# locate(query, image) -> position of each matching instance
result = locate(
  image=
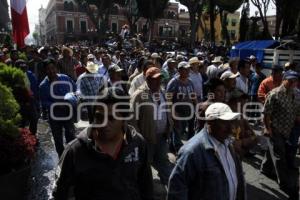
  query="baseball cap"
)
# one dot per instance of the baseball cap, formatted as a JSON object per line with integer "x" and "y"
{"x": 290, "y": 74}
{"x": 155, "y": 55}
{"x": 184, "y": 65}
{"x": 153, "y": 72}
{"x": 115, "y": 68}
{"x": 220, "y": 111}
{"x": 171, "y": 60}
{"x": 228, "y": 74}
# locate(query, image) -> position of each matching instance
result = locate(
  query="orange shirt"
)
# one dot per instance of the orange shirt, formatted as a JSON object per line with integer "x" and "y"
{"x": 265, "y": 87}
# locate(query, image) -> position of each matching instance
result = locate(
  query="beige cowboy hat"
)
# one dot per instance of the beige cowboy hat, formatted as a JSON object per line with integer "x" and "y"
{"x": 218, "y": 59}
{"x": 64, "y": 48}
{"x": 194, "y": 60}
{"x": 92, "y": 67}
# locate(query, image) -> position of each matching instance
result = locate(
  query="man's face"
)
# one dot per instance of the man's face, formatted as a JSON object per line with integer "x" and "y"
{"x": 277, "y": 75}
{"x": 184, "y": 73}
{"x": 231, "y": 83}
{"x": 66, "y": 53}
{"x": 245, "y": 71}
{"x": 195, "y": 67}
{"x": 220, "y": 93}
{"x": 116, "y": 76}
{"x": 112, "y": 128}
{"x": 154, "y": 84}
{"x": 122, "y": 57}
{"x": 222, "y": 129}
{"x": 106, "y": 60}
{"x": 14, "y": 55}
{"x": 51, "y": 70}
{"x": 172, "y": 65}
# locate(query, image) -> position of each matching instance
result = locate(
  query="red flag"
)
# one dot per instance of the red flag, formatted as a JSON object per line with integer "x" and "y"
{"x": 19, "y": 21}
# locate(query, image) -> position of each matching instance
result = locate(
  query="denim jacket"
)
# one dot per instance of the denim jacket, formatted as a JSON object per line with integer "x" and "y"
{"x": 199, "y": 175}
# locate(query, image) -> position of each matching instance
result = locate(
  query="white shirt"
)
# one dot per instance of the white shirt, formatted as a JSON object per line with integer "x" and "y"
{"x": 212, "y": 71}
{"x": 242, "y": 83}
{"x": 136, "y": 83}
{"x": 196, "y": 79}
{"x": 227, "y": 163}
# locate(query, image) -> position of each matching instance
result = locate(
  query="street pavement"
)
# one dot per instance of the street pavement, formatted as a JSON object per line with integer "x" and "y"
{"x": 259, "y": 187}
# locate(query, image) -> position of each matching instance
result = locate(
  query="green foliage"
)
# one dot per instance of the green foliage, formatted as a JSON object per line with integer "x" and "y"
{"x": 152, "y": 9}
{"x": 11, "y": 76}
{"x": 229, "y": 5}
{"x": 35, "y": 35}
{"x": 104, "y": 8}
{"x": 9, "y": 109}
{"x": 8, "y": 105}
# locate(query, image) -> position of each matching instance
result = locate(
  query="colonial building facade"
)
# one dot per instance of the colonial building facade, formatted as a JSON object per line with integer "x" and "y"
{"x": 66, "y": 21}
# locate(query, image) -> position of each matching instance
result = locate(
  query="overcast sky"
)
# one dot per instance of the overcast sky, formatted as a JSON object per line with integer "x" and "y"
{"x": 34, "y": 5}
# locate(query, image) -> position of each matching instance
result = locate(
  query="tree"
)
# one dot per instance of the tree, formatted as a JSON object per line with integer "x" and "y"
{"x": 226, "y": 6}
{"x": 35, "y": 36}
{"x": 151, "y": 10}
{"x": 263, "y": 6}
{"x": 254, "y": 33}
{"x": 195, "y": 8}
{"x": 244, "y": 22}
{"x": 287, "y": 12}
{"x": 212, "y": 16}
{"x": 99, "y": 10}
{"x": 132, "y": 13}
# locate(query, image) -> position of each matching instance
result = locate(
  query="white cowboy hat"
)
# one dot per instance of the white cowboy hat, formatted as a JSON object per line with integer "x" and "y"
{"x": 92, "y": 67}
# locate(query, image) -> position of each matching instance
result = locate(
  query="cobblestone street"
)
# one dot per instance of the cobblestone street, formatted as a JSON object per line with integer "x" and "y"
{"x": 259, "y": 187}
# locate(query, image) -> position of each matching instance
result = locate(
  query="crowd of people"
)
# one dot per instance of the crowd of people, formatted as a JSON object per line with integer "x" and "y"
{"x": 200, "y": 107}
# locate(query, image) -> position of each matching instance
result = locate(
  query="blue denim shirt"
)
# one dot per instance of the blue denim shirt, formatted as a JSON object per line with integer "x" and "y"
{"x": 199, "y": 175}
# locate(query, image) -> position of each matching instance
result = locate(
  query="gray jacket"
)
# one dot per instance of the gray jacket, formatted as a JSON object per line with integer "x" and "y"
{"x": 199, "y": 175}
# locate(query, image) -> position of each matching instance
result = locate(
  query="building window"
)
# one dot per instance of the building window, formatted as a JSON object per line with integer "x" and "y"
{"x": 115, "y": 10}
{"x": 165, "y": 31}
{"x": 114, "y": 27}
{"x": 68, "y": 6}
{"x": 83, "y": 26}
{"x": 233, "y": 22}
{"x": 70, "y": 26}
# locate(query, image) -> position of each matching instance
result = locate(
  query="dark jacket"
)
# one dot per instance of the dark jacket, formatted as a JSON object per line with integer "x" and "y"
{"x": 91, "y": 174}
{"x": 199, "y": 175}
{"x": 144, "y": 123}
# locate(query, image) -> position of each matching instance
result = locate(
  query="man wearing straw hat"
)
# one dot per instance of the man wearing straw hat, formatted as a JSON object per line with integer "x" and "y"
{"x": 88, "y": 85}
{"x": 67, "y": 63}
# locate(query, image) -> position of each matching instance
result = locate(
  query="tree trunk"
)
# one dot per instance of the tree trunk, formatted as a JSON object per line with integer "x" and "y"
{"x": 151, "y": 27}
{"x": 212, "y": 21}
{"x": 193, "y": 29}
{"x": 278, "y": 24}
{"x": 225, "y": 34}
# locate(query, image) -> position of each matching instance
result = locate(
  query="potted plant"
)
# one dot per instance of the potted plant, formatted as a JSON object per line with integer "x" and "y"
{"x": 17, "y": 146}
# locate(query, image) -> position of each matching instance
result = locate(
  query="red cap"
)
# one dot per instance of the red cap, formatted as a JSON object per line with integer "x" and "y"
{"x": 153, "y": 72}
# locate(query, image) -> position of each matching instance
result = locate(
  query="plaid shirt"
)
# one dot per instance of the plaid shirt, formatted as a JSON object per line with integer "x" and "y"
{"x": 89, "y": 85}
{"x": 282, "y": 107}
